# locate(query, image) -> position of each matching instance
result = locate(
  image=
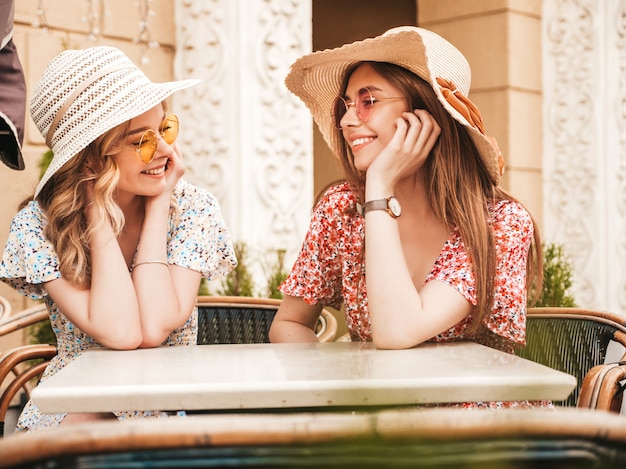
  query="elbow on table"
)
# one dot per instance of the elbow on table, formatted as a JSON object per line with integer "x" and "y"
{"x": 279, "y": 331}
{"x": 393, "y": 343}
{"x": 290, "y": 331}
{"x": 154, "y": 338}
{"x": 123, "y": 342}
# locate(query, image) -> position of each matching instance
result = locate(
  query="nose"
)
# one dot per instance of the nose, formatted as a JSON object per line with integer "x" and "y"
{"x": 163, "y": 148}
{"x": 350, "y": 117}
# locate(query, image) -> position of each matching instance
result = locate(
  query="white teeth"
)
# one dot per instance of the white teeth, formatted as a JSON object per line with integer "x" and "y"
{"x": 360, "y": 141}
{"x": 154, "y": 172}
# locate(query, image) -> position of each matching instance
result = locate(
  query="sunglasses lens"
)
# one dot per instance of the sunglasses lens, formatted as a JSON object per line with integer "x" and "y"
{"x": 364, "y": 104}
{"x": 169, "y": 131}
{"x": 339, "y": 110}
{"x": 147, "y": 146}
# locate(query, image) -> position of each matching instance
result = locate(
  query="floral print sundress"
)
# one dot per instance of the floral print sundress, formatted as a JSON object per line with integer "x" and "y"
{"x": 330, "y": 271}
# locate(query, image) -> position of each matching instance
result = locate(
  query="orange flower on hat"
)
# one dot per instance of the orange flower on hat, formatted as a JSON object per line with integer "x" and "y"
{"x": 469, "y": 111}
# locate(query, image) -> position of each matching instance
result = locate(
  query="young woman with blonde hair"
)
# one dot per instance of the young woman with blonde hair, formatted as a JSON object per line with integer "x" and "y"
{"x": 114, "y": 241}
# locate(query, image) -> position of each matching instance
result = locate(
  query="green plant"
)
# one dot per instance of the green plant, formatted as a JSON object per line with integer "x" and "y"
{"x": 42, "y": 333}
{"x": 46, "y": 158}
{"x": 239, "y": 281}
{"x": 276, "y": 274}
{"x": 204, "y": 288}
{"x": 557, "y": 277}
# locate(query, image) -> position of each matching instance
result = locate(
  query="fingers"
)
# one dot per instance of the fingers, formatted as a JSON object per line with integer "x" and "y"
{"x": 175, "y": 166}
{"x": 422, "y": 132}
{"x": 178, "y": 155}
{"x": 415, "y": 136}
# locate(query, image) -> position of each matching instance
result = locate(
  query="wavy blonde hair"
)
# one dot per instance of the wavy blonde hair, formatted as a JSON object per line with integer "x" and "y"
{"x": 65, "y": 196}
{"x": 458, "y": 187}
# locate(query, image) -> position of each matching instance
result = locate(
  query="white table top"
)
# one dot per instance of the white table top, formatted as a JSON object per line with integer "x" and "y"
{"x": 270, "y": 376}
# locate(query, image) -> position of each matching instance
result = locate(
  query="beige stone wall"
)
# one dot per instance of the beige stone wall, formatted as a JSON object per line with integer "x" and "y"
{"x": 502, "y": 42}
{"x": 37, "y": 47}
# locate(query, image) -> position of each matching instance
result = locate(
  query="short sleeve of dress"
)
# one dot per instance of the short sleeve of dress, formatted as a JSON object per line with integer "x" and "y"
{"x": 29, "y": 258}
{"x": 316, "y": 276}
{"x": 199, "y": 239}
{"x": 513, "y": 233}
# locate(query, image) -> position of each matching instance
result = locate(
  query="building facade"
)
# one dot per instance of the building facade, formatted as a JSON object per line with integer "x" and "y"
{"x": 547, "y": 75}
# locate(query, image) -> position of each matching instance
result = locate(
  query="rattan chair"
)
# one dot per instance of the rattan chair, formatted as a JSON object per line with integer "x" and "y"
{"x": 398, "y": 439}
{"x": 247, "y": 320}
{"x": 603, "y": 387}
{"x": 27, "y": 317}
{"x": 20, "y": 366}
{"x": 573, "y": 340}
{"x": 5, "y": 308}
{"x": 25, "y": 363}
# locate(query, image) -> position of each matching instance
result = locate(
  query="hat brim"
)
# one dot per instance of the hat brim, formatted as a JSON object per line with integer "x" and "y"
{"x": 141, "y": 100}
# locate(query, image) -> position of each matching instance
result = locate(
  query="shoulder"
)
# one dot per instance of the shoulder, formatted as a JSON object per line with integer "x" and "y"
{"x": 338, "y": 198}
{"x": 512, "y": 225}
{"x": 190, "y": 195}
{"x": 510, "y": 214}
{"x": 29, "y": 216}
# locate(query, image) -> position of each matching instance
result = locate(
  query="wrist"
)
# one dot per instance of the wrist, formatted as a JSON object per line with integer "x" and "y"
{"x": 391, "y": 205}
{"x": 377, "y": 189}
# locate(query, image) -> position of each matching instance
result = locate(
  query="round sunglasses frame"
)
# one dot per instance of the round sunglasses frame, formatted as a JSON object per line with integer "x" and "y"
{"x": 147, "y": 146}
{"x": 363, "y": 105}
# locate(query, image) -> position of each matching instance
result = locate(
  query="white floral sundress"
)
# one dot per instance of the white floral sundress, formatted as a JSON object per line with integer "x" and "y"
{"x": 200, "y": 241}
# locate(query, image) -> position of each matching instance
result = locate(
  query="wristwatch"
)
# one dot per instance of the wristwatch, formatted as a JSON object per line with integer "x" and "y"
{"x": 390, "y": 205}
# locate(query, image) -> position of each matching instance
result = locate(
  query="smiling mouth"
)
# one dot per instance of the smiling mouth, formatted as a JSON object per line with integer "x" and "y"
{"x": 362, "y": 141}
{"x": 155, "y": 172}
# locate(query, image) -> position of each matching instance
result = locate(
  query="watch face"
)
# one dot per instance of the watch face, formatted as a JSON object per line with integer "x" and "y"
{"x": 394, "y": 206}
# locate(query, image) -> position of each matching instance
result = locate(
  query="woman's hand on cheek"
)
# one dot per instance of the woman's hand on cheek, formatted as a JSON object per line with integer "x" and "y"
{"x": 175, "y": 166}
{"x": 416, "y": 134}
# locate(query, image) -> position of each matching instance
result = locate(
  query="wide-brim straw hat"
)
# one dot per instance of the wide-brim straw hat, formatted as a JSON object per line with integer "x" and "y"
{"x": 317, "y": 79}
{"x": 84, "y": 93}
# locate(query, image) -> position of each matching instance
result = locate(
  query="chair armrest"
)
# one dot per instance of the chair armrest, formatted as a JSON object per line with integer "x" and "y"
{"x": 327, "y": 326}
{"x": 602, "y": 387}
{"x": 5, "y": 309}
{"x": 10, "y": 362}
{"x": 22, "y": 319}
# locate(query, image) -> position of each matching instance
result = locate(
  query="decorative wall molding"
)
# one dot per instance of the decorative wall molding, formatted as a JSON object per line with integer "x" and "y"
{"x": 584, "y": 133}
{"x": 619, "y": 111}
{"x": 246, "y": 138}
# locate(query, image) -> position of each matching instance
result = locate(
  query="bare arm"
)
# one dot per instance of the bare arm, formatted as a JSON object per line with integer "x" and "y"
{"x": 402, "y": 316}
{"x": 109, "y": 311}
{"x": 166, "y": 294}
{"x": 123, "y": 310}
{"x": 295, "y": 321}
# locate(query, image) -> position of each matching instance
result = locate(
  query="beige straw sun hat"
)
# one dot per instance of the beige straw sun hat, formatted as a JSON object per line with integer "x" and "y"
{"x": 317, "y": 78}
{"x": 84, "y": 93}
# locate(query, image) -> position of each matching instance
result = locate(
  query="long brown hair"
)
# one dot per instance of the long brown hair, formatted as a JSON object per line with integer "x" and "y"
{"x": 458, "y": 186}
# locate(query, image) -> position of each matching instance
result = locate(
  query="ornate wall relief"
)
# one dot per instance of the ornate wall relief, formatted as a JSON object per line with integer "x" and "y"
{"x": 584, "y": 168}
{"x": 248, "y": 140}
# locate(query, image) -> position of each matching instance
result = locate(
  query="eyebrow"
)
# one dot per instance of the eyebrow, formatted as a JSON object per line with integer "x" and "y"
{"x": 144, "y": 128}
{"x": 370, "y": 88}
